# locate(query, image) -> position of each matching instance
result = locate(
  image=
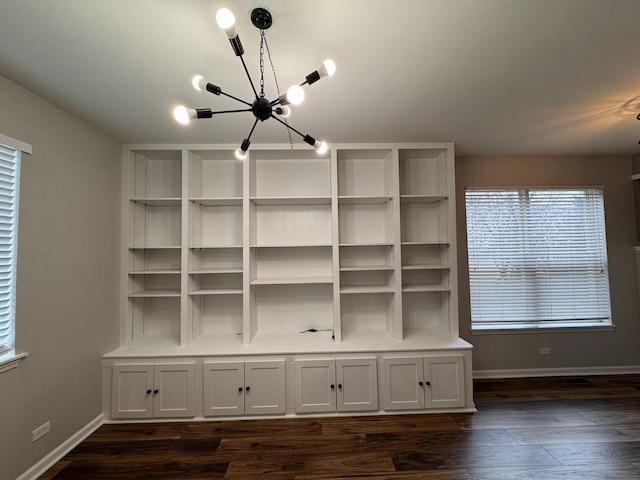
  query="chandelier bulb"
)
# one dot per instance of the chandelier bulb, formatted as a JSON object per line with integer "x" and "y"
{"x": 241, "y": 154}
{"x": 183, "y": 114}
{"x": 295, "y": 95}
{"x": 328, "y": 68}
{"x": 284, "y": 111}
{"x": 321, "y": 147}
{"x": 227, "y": 21}
{"x": 199, "y": 83}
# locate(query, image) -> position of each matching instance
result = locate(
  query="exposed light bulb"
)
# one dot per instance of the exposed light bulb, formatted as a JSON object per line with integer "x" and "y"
{"x": 183, "y": 114}
{"x": 321, "y": 147}
{"x": 199, "y": 83}
{"x": 295, "y": 95}
{"x": 283, "y": 111}
{"x": 241, "y": 154}
{"x": 328, "y": 68}
{"x": 227, "y": 21}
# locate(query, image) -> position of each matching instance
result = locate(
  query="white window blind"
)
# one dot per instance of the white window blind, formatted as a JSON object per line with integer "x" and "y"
{"x": 9, "y": 182}
{"x": 537, "y": 257}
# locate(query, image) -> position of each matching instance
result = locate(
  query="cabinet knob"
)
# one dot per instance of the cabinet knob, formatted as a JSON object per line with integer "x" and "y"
{"x": 339, "y": 386}
{"x": 420, "y": 383}
{"x": 248, "y": 388}
{"x": 239, "y": 389}
{"x": 428, "y": 384}
{"x": 155, "y": 391}
{"x": 148, "y": 391}
{"x": 333, "y": 386}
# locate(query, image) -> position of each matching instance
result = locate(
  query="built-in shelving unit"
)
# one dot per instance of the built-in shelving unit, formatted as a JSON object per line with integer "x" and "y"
{"x": 154, "y": 242}
{"x": 291, "y": 253}
{"x": 359, "y": 241}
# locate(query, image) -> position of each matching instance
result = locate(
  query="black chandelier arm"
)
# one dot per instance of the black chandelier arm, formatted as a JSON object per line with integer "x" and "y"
{"x": 206, "y": 112}
{"x": 216, "y": 90}
{"x": 236, "y": 99}
{"x": 252, "y": 129}
{"x": 275, "y": 102}
{"x": 255, "y": 92}
{"x": 289, "y": 126}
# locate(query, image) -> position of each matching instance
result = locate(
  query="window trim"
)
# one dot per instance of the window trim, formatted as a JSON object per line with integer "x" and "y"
{"x": 10, "y": 359}
{"x": 534, "y": 326}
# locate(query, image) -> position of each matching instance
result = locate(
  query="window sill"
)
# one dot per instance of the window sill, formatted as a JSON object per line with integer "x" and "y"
{"x": 560, "y": 328}
{"x": 10, "y": 361}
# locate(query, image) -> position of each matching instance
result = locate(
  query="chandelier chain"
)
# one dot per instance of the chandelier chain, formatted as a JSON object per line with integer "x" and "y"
{"x": 262, "y": 39}
{"x": 275, "y": 79}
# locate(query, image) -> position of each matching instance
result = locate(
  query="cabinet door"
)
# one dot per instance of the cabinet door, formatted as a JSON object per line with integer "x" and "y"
{"x": 315, "y": 386}
{"x": 132, "y": 391}
{"x": 264, "y": 391}
{"x": 445, "y": 377}
{"x": 357, "y": 385}
{"x": 401, "y": 389}
{"x": 223, "y": 389}
{"x": 174, "y": 390}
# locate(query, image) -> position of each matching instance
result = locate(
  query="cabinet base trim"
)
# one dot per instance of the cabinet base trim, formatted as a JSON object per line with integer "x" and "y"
{"x": 430, "y": 411}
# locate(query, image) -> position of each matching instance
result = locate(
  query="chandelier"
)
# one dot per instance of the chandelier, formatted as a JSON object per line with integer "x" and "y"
{"x": 261, "y": 108}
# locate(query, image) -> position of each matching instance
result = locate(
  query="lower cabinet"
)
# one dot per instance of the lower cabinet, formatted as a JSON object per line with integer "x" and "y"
{"x": 336, "y": 385}
{"x": 153, "y": 391}
{"x": 414, "y": 383}
{"x": 244, "y": 388}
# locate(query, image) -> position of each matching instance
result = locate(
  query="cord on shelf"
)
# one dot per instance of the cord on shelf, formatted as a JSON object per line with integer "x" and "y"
{"x": 314, "y": 330}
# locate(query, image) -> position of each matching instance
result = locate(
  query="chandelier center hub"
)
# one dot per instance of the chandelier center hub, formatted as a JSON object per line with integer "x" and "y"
{"x": 261, "y": 108}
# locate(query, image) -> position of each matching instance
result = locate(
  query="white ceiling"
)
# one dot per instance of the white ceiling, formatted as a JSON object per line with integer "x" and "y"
{"x": 498, "y": 77}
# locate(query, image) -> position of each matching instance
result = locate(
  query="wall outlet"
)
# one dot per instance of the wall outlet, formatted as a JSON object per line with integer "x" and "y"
{"x": 545, "y": 350}
{"x": 41, "y": 431}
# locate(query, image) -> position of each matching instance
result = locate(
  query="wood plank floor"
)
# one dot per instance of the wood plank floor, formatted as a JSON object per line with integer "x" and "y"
{"x": 537, "y": 428}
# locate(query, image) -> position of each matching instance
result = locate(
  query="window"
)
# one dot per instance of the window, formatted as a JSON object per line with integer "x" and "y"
{"x": 10, "y": 154}
{"x": 537, "y": 258}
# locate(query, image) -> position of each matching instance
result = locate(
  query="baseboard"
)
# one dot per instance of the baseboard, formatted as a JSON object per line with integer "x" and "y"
{"x": 65, "y": 447}
{"x": 556, "y": 372}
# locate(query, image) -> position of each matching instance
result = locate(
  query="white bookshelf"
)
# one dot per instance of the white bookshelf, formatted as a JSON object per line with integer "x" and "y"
{"x": 153, "y": 244}
{"x": 243, "y": 273}
{"x": 359, "y": 242}
{"x": 427, "y": 220}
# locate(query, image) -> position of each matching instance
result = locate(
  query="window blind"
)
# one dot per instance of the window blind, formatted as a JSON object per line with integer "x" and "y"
{"x": 537, "y": 256}
{"x": 9, "y": 172}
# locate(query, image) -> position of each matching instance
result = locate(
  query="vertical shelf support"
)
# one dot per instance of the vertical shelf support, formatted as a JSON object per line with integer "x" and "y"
{"x": 396, "y": 322}
{"x": 186, "y": 320}
{"x": 248, "y": 315}
{"x": 335, "y": 242}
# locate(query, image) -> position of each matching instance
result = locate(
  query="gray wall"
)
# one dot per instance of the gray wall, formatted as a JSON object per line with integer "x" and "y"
{"x": 67, "y": 295}
{"x": 67, "y": 312}
{"x": 620, "y": 347}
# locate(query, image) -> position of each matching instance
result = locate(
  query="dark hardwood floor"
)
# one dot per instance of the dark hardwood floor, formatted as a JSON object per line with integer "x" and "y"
{"x": 536, "y": 428}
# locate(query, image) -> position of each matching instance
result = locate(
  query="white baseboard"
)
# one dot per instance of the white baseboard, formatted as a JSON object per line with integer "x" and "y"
{"x": 65, "y": 447}
{"x": 556, "y": 372}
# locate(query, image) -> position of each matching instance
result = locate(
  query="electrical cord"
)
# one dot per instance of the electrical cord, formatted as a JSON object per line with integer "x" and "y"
{"x": 314, "y": 330}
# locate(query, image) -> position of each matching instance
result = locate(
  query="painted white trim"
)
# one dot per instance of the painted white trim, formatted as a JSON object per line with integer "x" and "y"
{"x": 10, "y": 361}
{"x": 61, "y": 450}
{"x": 17, "y": 144}
{"x": 556, "y": 372}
